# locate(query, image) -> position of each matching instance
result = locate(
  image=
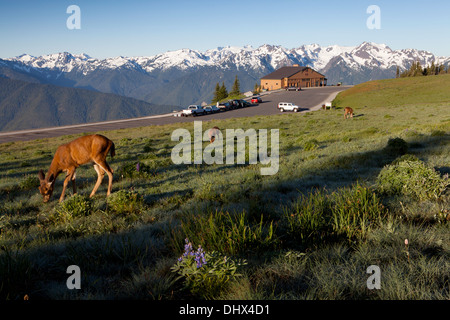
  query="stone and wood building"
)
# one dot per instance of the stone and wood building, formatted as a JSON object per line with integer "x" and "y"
{"x": 295, "y": 76}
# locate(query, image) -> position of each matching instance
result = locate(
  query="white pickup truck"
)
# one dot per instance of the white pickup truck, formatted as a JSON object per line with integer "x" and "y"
{"x": 193, "y": 110}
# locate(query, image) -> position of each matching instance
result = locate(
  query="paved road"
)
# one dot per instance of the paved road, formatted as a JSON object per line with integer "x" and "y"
{"x": 308, "y": 99}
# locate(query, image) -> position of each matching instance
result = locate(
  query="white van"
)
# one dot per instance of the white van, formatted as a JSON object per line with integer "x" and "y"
{"x": 287, "y": 106}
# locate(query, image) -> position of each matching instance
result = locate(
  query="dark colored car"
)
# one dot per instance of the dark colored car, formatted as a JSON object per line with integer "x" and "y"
{"x": 224, "y": 106}
{"x": 239, "y": 103}
{"x": 245, "y": 103}
{"x": 234, "y": 104}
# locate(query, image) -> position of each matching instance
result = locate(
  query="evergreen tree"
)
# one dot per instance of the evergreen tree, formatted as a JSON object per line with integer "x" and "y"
{"x": 418, "y": 70}
{"x": 223, "y": 93}
{"x": 414, "y": 71}
{"x": 257, "y": 88}
{"x": 216, "y": 96}
{"x": 236, "y": 88}
{"x": 432, "y": 70}
{"x": 397, "y": 75}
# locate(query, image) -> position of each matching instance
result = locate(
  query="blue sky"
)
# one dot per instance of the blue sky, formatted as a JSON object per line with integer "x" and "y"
{"x": 143, "y": 28}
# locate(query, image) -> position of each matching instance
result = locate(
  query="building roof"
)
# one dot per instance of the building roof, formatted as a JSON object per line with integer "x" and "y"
{"x": 284, "y": 72}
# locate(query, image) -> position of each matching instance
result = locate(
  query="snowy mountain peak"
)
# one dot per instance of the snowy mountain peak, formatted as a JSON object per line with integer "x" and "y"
{"x": 266, "y": 57}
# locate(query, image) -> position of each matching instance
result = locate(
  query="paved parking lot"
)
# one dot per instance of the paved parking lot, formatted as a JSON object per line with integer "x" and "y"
{"x": 308, "y": 99}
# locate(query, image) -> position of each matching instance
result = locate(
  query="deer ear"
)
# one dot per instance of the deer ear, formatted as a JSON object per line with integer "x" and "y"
{"x": 41, "y": 175}
{"x": 51, "y": 178}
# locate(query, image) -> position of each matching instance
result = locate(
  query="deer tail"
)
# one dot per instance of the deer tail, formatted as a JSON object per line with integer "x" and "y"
{"x": 112, "y": 150}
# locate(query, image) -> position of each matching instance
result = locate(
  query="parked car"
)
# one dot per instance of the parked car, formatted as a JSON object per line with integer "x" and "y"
{"x": 242, "y": 103}
{"x": 224, "y": 106}
{"x": 293, "y": 89}
{"x": 256, "y": 99}
{"x": 288, "y": 106}
{"x": 193, "y": 110}
{"x": 245, "y": 103}
{"x": 234, "y": 104}
{"x": 214, "y": 109}
{"x": 207, "y": 109}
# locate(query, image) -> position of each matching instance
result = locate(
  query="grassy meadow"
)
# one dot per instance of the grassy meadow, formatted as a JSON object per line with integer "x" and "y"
{"x": 347, "y": 195}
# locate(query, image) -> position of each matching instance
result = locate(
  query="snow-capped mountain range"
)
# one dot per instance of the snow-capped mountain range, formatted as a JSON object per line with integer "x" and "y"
{"x": 188, "y": 76}
{"x": 314, "y": 56}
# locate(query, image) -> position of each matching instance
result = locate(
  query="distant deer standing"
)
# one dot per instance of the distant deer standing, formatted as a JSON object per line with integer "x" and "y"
{"x": 348, "y": 112}
{"x": 213, "y": 133}
{"x": 68, "y": 157}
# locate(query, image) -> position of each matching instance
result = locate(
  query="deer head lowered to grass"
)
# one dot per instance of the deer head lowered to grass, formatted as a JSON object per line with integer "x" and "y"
{"x": 348, "y": 112}
{"x": 68, "y": 157}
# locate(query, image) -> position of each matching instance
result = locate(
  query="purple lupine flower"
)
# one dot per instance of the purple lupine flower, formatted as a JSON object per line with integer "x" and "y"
{"x": 187, "y": 250}
{"x": 138, "y": 167}
{"x": 200, "y": 257}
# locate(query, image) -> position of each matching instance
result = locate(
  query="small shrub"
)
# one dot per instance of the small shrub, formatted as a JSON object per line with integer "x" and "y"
{"x": 412, "y": 178}
{"x": 75, "y": 206}
{"x": 396, "y": 147}
{"x": 125, "y": 202}
{"x": 205, "y": 274}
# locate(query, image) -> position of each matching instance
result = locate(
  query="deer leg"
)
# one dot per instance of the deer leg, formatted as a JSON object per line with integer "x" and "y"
{"x": 74, "y": 186}
{"x": 69, "y": 176}
{"x": 103, "y": 165}
{"x": 100, "y": 174}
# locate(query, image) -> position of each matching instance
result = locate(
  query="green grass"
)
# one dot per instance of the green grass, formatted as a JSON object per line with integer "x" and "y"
{"x": 401, "y": 92}
{"x": 308, "y": 232}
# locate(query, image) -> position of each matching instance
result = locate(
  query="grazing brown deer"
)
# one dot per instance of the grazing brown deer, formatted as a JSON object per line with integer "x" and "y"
{"x": 348, "y": 112}
{"x": 68, "y": 157}
{"x": 213, "y": 133}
